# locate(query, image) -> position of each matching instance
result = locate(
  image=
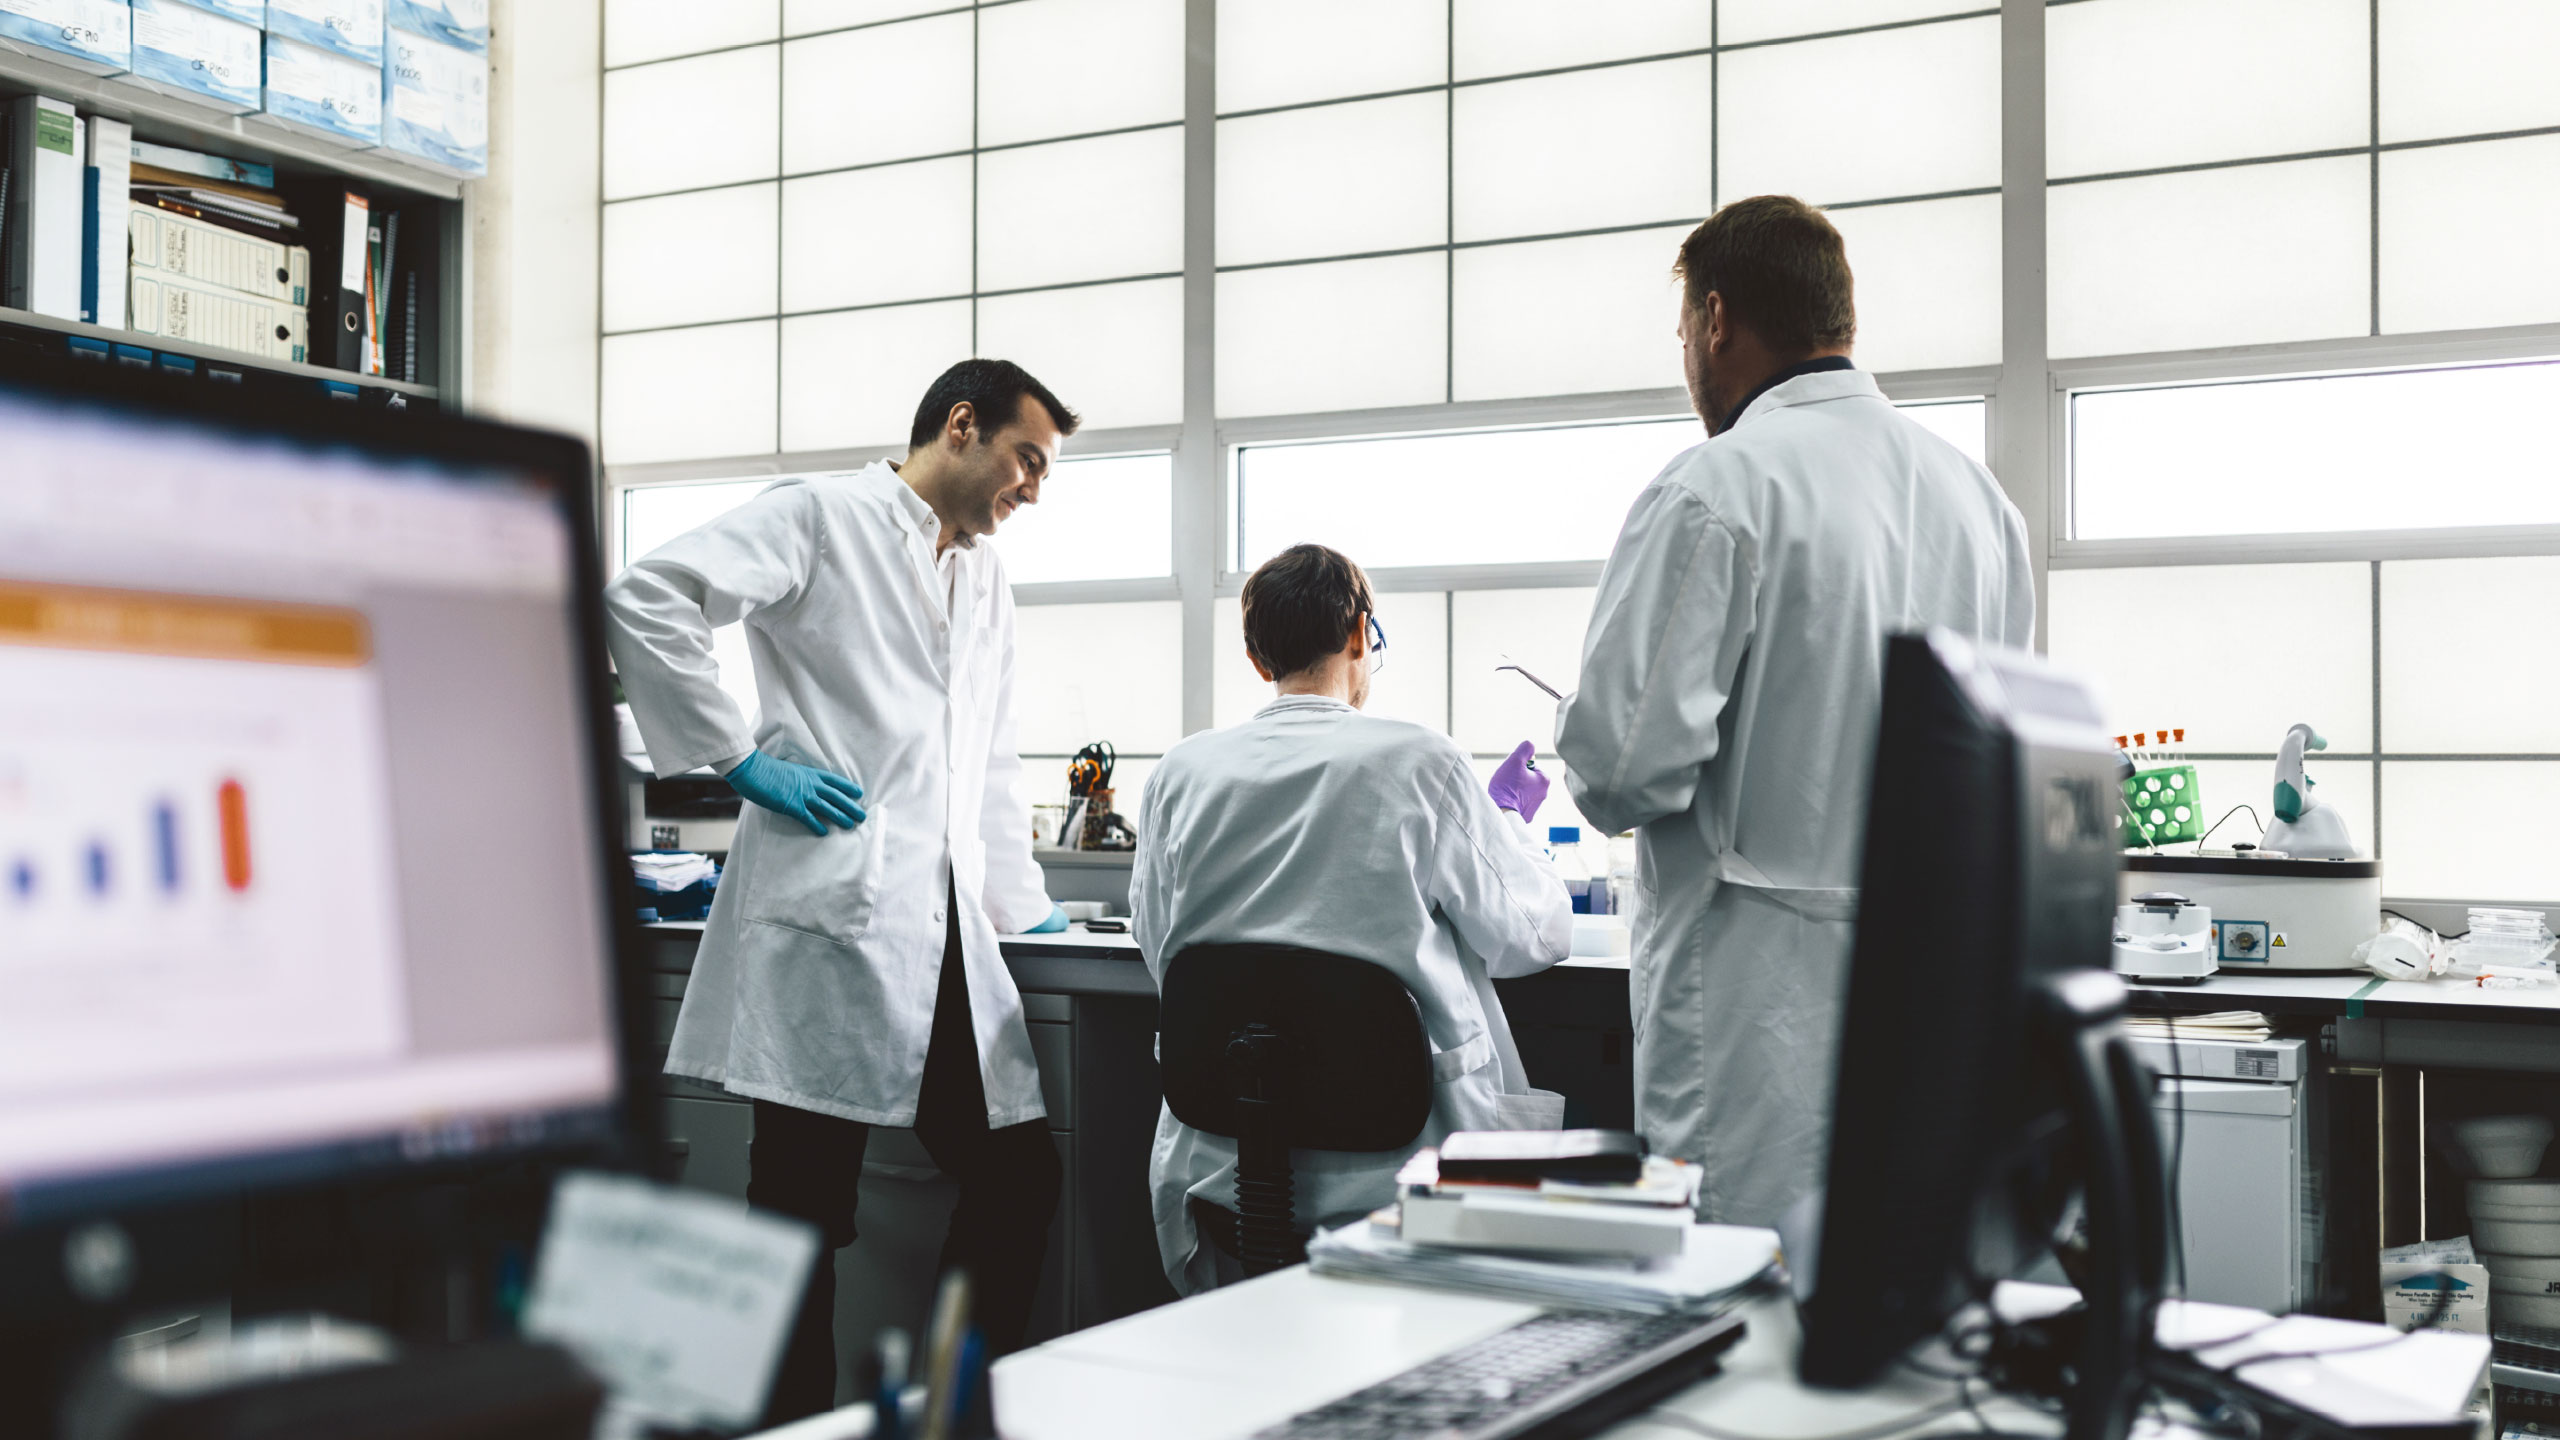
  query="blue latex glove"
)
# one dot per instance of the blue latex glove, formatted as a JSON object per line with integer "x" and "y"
{"x": 1056, "y": 922}
{"x": 816, "y": 798}
{"x": 1519, "y": 786}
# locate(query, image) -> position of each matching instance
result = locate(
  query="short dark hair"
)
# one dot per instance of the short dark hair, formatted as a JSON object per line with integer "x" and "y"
{"x": 994, "y": 390}
{"x": 1302, "y": 605}
{"x": 1782, "y": 269}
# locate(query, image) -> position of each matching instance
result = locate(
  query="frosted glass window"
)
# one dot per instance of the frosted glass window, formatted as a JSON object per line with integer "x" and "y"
{"x": 2407, "y": 449}
{"x": 652, "y": 515}
{"x": 2251, "y": 255}
{"x": 1556, "y": 317}
{"x": 1493, "y": 497}
{"x": 688, "y": 394}
{"x": 1965, "y": 424}
{"x": 2469, "y": 233}
{"x": 638, "y": 30}
{"x": 855, "y": 377}
{"x": 681, "y": 259}
{"x": 893, "y": 92}
{"x": 867, "y": 237}
{"x": 1334, "y": 180}
{"x": 1863, "y": 117}
{"x": 1928, "y": 282}
{"x": 2463, "y": 654}
{"x": 2470, "y": 831}
{"x": 1540, "y": 629}
{"x": 2468, "y": 67}
{"x": 686, "y": 124}
{"x": 1285, "y": 52}
{"x": 1622, "y": 146}
{"x": 1113, "y": 353}
{"x": 2225, "y": 785}
{"x": 1740, "y": 22}
{"x": 802, "y": 17}
{"x": 1413, "y": 685}
{"x": 2134, "y": 84}
{"x": 2235, "y": 655}
{"x": 1347, "y": 336}
{"x": 1080, "y": 210}
{"x": 1507, "y": 37}
{"x": 1098, "y": 672}
{"x": 1109, "y": 518}
{"x": 1072, "y": 67}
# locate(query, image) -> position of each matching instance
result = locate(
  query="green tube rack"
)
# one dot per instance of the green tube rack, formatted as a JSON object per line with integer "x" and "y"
{"x": 2162, "y": 807}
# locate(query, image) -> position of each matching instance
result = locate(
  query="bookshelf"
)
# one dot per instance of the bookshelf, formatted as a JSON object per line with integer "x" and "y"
{"x": 170, "y": 120}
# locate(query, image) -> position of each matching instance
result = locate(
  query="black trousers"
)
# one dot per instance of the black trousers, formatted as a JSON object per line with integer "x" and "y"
{"x": 810, "y": 1166}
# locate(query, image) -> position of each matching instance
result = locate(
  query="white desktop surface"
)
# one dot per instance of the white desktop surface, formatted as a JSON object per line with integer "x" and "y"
{"x": 1236, "y": 1360}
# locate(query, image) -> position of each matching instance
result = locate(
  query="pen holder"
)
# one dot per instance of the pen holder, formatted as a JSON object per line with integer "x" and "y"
{"x": 2162, "y": 807}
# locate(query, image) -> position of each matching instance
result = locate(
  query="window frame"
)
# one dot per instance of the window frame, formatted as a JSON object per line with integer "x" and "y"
{"x": 2027, "y": 393}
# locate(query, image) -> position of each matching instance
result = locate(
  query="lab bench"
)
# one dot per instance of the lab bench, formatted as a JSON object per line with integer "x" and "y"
{"x": 1091, "y": 1007}
{"x": 2397, "y": 1064}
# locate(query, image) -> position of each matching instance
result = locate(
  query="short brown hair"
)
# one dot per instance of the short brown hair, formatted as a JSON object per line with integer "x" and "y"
{"x": 1782, "y": 269}
{"x": 1302, "y": 605}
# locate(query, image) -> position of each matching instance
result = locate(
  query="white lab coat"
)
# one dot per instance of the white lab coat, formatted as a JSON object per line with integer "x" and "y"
{"x": 1315, "y": 825}
{"x": 815, "y": 983}
{"x": 1728, "y": 704}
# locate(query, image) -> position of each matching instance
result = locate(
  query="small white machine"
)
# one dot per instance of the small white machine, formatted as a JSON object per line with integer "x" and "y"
{"x": 2270, "y": 912}
{"x": 2164, "y": 938}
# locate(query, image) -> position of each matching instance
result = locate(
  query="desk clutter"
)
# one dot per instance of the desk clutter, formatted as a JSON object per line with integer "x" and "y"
{"x": 1566, "y": 1217}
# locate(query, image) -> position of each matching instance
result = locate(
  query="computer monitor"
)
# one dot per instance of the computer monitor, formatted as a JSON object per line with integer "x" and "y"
{"x": 308, "y": 830}
{"x": 1979, "y": 1081}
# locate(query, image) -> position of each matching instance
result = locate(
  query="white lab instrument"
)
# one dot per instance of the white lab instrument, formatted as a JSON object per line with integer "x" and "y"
{"x": 1727, "y": 704}
{"x": 2502, "y": 944}
{"x": 2270, "y": 912}
{"x": 2164, "y": 938}
{"x": 2244, "y": 1123}
{"x": 2306, "y": 827}
{"x": 878, "y": 660}
{"x": 1315, "y": 825}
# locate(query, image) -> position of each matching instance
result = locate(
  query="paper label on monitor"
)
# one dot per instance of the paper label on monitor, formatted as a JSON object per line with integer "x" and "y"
{"x": 681, "y": 1301}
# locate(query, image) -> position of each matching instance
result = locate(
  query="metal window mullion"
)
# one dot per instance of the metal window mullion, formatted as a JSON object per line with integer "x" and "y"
{"x": 2025, "y": 418}
{"x": 1196, "y": 457}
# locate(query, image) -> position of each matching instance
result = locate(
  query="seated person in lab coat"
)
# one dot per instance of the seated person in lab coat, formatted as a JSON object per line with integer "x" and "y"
{"x": 1273, "y": 831}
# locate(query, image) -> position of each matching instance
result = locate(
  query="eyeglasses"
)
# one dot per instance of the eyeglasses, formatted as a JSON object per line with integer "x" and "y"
{"x": 1377, "y": 645}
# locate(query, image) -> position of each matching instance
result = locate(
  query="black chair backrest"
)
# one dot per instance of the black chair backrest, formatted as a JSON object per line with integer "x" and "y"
{"x": 1353, "y": 1067}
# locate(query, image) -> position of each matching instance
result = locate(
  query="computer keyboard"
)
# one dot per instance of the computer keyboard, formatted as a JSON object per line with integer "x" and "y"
{"x": 1564, "y": 1374}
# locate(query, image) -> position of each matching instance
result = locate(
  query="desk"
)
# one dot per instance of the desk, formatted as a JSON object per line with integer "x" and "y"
{"x": 1232, "y": 1361}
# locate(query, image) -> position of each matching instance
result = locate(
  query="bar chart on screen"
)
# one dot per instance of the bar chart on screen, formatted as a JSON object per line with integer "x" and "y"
{"x": 194, "y": 833}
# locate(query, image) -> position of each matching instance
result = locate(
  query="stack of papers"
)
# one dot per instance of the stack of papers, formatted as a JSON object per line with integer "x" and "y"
{"x": 2245, "y": 1026}
{"x": 665, "y": 872}
{"x": 1648, "y": 1216}
{"x": 1716, "y": 1266}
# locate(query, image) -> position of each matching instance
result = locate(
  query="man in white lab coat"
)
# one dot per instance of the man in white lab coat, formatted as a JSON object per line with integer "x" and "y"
{"x": 1731, "y": 684}
{"x": 1315, "y": 825}
{"x": 849, "y": 975}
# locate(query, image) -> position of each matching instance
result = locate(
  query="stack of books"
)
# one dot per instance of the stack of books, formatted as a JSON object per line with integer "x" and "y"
{"x": 1579, "y": 1218}
{"x": 216, "y": 256}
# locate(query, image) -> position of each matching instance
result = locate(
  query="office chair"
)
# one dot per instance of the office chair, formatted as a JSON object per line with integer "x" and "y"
{"x": 1280, "y": 1048}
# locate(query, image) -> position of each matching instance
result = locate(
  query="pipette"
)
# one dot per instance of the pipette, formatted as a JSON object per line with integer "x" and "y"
{"x": 1507, "y": 664}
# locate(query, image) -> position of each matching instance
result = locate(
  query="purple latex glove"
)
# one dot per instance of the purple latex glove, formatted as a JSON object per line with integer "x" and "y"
{"x": 1519, "y": 786}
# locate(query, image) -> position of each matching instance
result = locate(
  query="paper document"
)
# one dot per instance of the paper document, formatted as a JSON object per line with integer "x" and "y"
{"x": 1719, "y": 1263}
{"x": 679, "y": 1300}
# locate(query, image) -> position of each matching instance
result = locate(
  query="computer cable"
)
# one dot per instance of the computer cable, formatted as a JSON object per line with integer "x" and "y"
{"x": 2226, "y": 816}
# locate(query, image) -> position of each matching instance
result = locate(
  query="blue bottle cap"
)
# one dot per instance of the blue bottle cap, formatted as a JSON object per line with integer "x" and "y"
{"x": 1564, "y": 834}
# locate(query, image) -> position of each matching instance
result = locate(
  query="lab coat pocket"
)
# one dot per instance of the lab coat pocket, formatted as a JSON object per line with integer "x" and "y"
{"x": 822, "y": 885}
{"x": 1536, "y": 1110}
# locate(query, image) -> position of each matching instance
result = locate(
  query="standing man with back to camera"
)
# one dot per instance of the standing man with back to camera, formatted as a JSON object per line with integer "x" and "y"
{"x": 849, "y": 975}
{"x": 1732, "y": 682}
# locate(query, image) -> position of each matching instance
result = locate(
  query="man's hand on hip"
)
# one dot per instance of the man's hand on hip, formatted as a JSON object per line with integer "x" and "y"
{"x": 816, "y": 798}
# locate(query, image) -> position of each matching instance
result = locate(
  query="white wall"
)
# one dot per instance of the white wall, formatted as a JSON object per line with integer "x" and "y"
{"x": 532, "y": 251}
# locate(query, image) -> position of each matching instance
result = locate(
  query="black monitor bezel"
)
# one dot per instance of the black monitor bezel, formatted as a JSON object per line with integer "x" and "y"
{"x": 154, "y": 1198}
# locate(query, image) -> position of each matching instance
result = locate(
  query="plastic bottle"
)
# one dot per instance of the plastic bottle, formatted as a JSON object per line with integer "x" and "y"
{"x": 1595, "y": 860}
{"x": 1564, "y": 849}
{"x": 1622, "y": 877}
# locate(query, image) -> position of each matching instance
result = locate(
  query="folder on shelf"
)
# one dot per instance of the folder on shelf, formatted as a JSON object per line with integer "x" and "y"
{"x": 339, "y": 224}
{"x": 46, "y": 192}
{"x": 104, "y": 182}
{"x": 176, "y": 164}
{"x": 179, "y": 309}
{"x": 171, "y": 245}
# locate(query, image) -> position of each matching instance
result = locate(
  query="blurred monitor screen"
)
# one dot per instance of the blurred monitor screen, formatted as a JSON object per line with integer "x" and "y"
{"x": 300, "y": 850}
